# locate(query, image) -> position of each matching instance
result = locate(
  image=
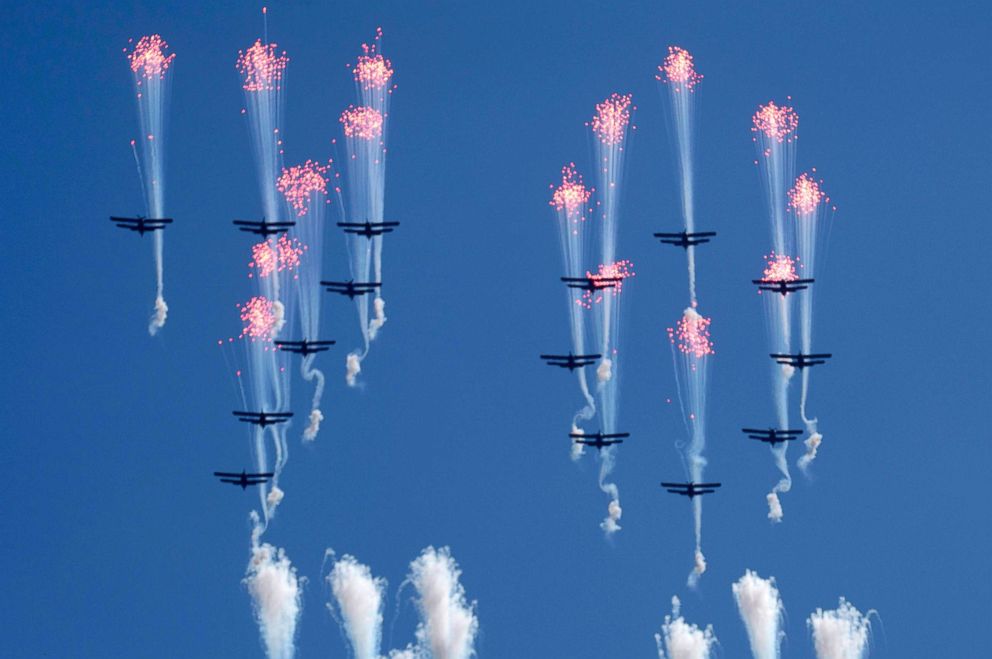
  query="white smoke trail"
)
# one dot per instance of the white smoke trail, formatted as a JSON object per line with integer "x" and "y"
{"x": 812, "y": 444}
{"x": 359, "y": 599}
{"x": 448, "y": 622}
{"x": 778, "y": 314}
{"x": 841, "y": 633}
{"x": 275, "y": 590}
{"x": 761, "y": 610}
{"x": 682, "y": 640}
{"x": 353, "y": 366}
{"x": 379, "y": 319}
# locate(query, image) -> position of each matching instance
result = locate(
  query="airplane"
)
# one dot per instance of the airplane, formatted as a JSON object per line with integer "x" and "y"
{"x": 263, "y": 418}
{"x": 685, "y": 240}
{"x": 599, "y": 439}
{"x": 141, "y": 224}
{"x": 304, "y": 347}
{"x": 690, "y": 489}
{"x": 263, "y": 228}
{"x": 243, "y": 479}
{"x": 772, "y": 436}
{"x": 351, "y": 288}
{"x": 590, "y": 283}
{"x": 368, "y": 229}
{"x": 783, "y": 286}
{"x": 800, "y": 360}
{"x": 570, "y": 361}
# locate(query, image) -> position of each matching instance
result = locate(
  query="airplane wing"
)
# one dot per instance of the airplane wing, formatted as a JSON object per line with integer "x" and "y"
{"x": 702, "y": 234}
{"x": 226, "y": 474}
{"x": 264, "y": 474}
{"x": 707, "y": 485}
{"x": 684, "y": 486}
{"x": 819, "y": 356}
{"x": 684, "y": 493}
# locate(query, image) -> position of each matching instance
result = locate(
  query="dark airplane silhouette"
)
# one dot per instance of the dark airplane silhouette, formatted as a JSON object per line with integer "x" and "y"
{"x": 243, "y": 479}
{"x": 590, "y": 283}
{"x": 689, "y": 489}
{"x": 570, "y": 361}
{"x": 141, "y": 224}
{"x": 685, "y": 240}
{"x": 368, "y": 229}
{"x": 772, "y": 436}
{"x": 263, "y": 228}
{"x": 351, "y": 288}
{"x": 263, "y": 418}
{"x": 783, "y": 286}
{"x": 304, "y": 347}
{"x": 800, "y": 360}
{"x": 599, "y": 439}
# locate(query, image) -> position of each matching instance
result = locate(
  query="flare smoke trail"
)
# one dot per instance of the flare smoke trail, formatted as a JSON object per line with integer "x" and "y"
{"x": 775, "y": 134}
{"x": 275, "y": 591}
{"x": 359, "y": 602}
{"x": 448, "y": 622}
{"x": 841, "y": 633}
{"x": 150, "y": 67}
{"x": 305, "y": 190}
{"x": 571, "y": 203}
{"x": 610, "y": 127}
{"x": 691, "y": 349}
{"x": 761, "y": 610}
{"x": 808, "y": 203}
{"x": 365, "y": 131}
{"x": 682, "y": 640}
{"x": 678, "y": 74}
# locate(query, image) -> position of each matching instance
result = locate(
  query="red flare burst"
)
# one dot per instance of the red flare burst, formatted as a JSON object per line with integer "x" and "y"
{"x": 261, "y": 68}
{"x": 678, "y": 69}
{"x": 691, "y": 335}
{"x": 362, "y": 122}
{"x": 372, "y": 70}
{"x": 612, "y": 118}
{"x": 779, "y": 267}
{"x": 778, "y": 123}
{"x": 300, "y": 183}
{"x": 260, "y": 318}
{"x": 276, "y": 255}
{"x": 148, "y": 57}
{"x": 622, "y": 269}
{"x": 806, "y": 195}
{"x": 572, "y": 194}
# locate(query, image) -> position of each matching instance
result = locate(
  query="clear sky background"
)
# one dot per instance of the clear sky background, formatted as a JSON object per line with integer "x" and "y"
{"x": 118, "y": 542}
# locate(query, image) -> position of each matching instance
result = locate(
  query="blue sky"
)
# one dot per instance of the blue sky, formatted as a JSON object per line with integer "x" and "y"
{"x": 118, "y": 542}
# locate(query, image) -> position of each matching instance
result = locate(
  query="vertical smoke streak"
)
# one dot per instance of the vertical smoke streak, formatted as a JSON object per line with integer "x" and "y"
{"x": 761, "y": 610}
{"x": 275, "y": 591}
{"x": 150, "y": 66}
{"x": 682, "y": 640}
{"x": 359, "y": 602}
{"x": 448, "y": 622}
{"x": 841, "y": 633}
{"x": 365, "y": 129}
{"x": 775, "y": 134}
{"x": 691, "y": 350}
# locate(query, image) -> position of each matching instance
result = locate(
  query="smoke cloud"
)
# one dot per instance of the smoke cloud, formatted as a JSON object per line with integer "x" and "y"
{"x": 761, "y": 610}
{"x": 157, "y": 321}
{"x": 314, "y": 426}
{"x": 812, "y": 445}
{"x": 359, "y": 599}
{"x": 841, "y": 633}
{"x": 353, "y": 366}
{"x": 275, "y": 592}
{"x": 448, "y": 622}
{"x": 681, "y": 640}
{"x": 379, "y": 308}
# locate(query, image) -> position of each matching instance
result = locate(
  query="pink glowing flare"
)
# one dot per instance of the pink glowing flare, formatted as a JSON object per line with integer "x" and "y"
{"x": 148, "y": 59}
{"x": 373, "y": 71}
{"x": 776, "y": 122}
{"x": 259, "y": 317}
{"x": 261, "y": 68}
{"x": 301, "y": 185}
{"x": 612, "y": 118}
{"x": 604, "y": 284}
{"x": 806, "y": 195}
{"x": 678, "y": 69}
{"x": 691, "y": 335}
{"x": 362, "y": 122}
{"x": 272, "y": 256}
{"x": 572, "y": 195}
{"x": 779, "y": 267}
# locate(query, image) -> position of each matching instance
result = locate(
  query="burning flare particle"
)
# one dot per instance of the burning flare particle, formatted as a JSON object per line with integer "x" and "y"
{"x": 612, "y": 118}
{"x": 261, "y": 68}
{"x": 362, "y": 122}
{"x": 776, "y": 122}
{"x": 679, "y": 70}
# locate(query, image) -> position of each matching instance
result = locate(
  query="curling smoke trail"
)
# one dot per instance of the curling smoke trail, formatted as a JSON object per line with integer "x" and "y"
{"x": 610, "y": 126}
{"x": 775, "y": 134}
{"x": 841, "y": 633}
{"x": 761, "y": 610}
{"x": 365, "y": 131}
{"x": 808, "y": 203}
{"x": 678, "y": 74}
{"x": 691, "y": 350}
{"x": 305, "y": 190}
{"x": 682, "y": 640}
{"x": 359, "y": 602}
{"x": 150, "y": 67}
{"x": 448, "y": 622}
{"x": 275, "y": 591}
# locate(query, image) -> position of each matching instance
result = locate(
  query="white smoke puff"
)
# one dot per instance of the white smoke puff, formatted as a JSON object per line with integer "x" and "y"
{"x": 812, "y": 444}
{"x": 761, "y": 610}
{"x": 774, "y": 507}
{"x": 409, "y": 652}
{"x": 682, "y": 640}
{"x": 788, "y": 370}
{"x": 279, "y": 314}
{"x": 316, "y": 416}
{"x": 157, "y": 321}
{"x": 841, "y": 633}
{"x": 604, "y": 372}
{"x": 379, "y": 307}
{"x": 578, "y": 450}
{"x": 448, "y": 623}
{"x": 275, "y": 592}
{"x": 353, "y": 366}
{"x": 613, "y": 514}
{"x": 359, "y": 599}
{"x": 700, "y": 561}
{"x": 274, "y": 498}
